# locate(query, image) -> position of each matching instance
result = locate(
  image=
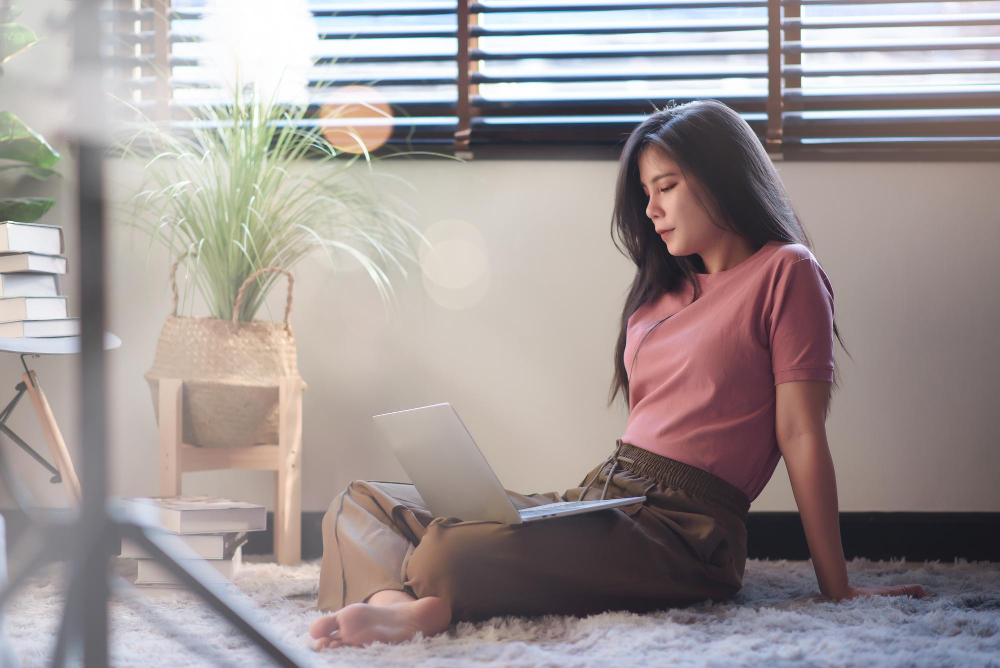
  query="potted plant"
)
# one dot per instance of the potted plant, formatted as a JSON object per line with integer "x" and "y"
{"x": 228, "y": 201}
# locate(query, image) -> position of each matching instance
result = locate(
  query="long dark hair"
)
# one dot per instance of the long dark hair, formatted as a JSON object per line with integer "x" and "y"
{"x": 718, "y": 151}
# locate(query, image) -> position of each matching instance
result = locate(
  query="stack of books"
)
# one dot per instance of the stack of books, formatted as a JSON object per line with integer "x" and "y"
{"x": 31, "y": 261}
{"x": 215, "y": 529}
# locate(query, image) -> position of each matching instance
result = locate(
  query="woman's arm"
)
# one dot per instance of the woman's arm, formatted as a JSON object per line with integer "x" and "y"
{"x": 800, "y": 424}
{"x": 814, "y": 484}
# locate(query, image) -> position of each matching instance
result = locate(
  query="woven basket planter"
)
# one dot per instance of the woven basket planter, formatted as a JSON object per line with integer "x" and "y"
{"x": 231, "y": 372}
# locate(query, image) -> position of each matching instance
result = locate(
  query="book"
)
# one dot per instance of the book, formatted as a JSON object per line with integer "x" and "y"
{"x": 163, "y": 590}
{"x": 200, "y": 514}
{"x": 153, "y": 573}
{"x": 20, "y": 329}
{"x": 206, "y": 545}
{"x": 167, "y": 590}
{"x": 29, "y": 285}
{"x": 18, "y": 237}
{"x": 33, "y": 308}
{"x": 47, "y": 264}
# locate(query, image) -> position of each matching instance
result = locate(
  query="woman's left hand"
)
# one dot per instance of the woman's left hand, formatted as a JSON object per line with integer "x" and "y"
{"x": 914, "y": 590}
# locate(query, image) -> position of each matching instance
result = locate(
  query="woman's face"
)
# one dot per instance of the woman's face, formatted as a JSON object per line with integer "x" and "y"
{"x": 672, "y": 205}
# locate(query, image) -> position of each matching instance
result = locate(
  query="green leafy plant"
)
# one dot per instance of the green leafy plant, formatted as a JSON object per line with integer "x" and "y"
{"x": 249, "y": 184}
{"x": 23, "y": 152}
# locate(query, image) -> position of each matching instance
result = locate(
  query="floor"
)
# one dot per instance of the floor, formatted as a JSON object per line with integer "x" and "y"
{"x": 775, "y": 620}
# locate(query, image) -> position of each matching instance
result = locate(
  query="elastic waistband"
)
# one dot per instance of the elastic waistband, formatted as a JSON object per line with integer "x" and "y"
{"x": 691, "y": 479}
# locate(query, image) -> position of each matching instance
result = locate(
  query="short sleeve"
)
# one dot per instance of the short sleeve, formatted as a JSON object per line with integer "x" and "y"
{"x": 801, "y": 324}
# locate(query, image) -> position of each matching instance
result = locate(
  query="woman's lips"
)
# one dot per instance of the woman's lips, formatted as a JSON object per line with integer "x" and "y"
{"x": 666, "y": 232}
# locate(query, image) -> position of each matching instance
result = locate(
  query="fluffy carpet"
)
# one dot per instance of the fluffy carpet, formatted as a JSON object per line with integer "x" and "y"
{"x": 775, "y": 620}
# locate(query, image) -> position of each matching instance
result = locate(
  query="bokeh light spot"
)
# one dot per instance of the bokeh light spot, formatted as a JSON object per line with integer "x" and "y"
{"x": 356, "y": 110}
{"x": 456, "y": 270}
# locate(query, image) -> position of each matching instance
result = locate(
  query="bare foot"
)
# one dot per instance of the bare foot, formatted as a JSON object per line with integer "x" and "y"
{"x": 360, "y": 624}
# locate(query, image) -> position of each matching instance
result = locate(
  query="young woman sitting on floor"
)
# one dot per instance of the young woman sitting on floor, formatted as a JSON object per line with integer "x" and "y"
{"x": 733, "y": 317}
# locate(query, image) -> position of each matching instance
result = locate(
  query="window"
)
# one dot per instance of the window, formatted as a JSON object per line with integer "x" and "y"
{"x": 815, "y": 79}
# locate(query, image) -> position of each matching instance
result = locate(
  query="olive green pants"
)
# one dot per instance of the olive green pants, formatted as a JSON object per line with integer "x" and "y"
{"x": 684, "y": 544}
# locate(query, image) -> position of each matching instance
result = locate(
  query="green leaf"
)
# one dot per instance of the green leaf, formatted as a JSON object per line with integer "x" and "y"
{"x": 12, "y": 13}
{"x": 40, "y": 173}
{"x": 24, "y": 209}
{"x": 21, "y": 143}
{"x": 15, "y": 38}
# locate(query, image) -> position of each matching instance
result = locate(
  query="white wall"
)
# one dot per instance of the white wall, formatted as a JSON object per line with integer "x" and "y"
{"x": 910, "y": 249}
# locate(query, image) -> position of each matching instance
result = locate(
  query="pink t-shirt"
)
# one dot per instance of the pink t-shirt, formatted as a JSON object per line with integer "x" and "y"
{"x": 702, "y": 387}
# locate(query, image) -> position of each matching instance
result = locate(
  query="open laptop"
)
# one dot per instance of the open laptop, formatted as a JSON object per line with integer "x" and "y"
{"x": 452, "y": 476}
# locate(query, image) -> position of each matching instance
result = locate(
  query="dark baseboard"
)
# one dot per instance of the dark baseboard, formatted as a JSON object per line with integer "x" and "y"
{"x": 881, "y": 536}
{"x": 877, "y": 536}
{"x": 262, "y": 542}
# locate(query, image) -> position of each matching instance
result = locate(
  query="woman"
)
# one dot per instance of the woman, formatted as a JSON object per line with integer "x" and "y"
{"x": 738, "y": 378}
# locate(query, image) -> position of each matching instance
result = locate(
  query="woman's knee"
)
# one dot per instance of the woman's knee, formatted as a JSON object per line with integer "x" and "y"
{"x": 450, "y": 561}
{"x": 337, "y": 504}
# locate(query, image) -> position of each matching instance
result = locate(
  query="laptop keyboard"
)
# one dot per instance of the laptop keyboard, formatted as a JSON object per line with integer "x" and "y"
{"x": 568, "y": 505}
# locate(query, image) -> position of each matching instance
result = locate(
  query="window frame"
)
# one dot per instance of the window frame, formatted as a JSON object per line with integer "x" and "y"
{"x": 783, "y": 28}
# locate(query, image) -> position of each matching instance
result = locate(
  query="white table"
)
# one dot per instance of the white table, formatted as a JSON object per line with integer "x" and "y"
{"x": 63, "y": 470}
{"x": 52, "y": 345}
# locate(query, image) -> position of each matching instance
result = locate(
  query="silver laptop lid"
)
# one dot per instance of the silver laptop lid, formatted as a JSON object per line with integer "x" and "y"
{"x": 445, "y": 464}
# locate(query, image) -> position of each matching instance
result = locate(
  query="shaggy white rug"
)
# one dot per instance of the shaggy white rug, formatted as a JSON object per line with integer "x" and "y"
{"x": 774, "y": 621}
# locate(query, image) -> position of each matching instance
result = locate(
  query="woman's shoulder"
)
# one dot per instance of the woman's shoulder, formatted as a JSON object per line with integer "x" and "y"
{"x": 787, "y": 261}
{"x": 790, "y": 252}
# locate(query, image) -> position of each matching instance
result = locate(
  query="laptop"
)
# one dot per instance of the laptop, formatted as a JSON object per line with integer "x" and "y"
{"x": 452, "y": 475}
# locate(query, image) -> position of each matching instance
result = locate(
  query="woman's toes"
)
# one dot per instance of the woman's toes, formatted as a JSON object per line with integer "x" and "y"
{"x": 325, "y": 643}
{"x": 324, "y": 626}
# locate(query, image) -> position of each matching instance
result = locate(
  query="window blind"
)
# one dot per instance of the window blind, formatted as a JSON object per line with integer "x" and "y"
{"x": 815, "y": 79}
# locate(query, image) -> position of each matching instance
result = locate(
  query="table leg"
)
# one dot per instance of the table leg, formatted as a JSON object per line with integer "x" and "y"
{"x": 57, "y": 446}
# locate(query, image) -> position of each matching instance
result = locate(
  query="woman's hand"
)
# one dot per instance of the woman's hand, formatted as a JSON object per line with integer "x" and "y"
{"x": 914, "y": 590}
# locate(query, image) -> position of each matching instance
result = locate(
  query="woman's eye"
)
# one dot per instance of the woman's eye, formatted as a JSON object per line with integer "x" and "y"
{"x": 663, "y": 190}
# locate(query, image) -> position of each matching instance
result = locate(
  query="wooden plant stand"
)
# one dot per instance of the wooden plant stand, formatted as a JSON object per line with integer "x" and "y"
{"x": 284, "y": 458}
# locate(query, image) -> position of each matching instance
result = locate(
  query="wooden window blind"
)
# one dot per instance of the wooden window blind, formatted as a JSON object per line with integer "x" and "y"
{"x": 815, "y": 79}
